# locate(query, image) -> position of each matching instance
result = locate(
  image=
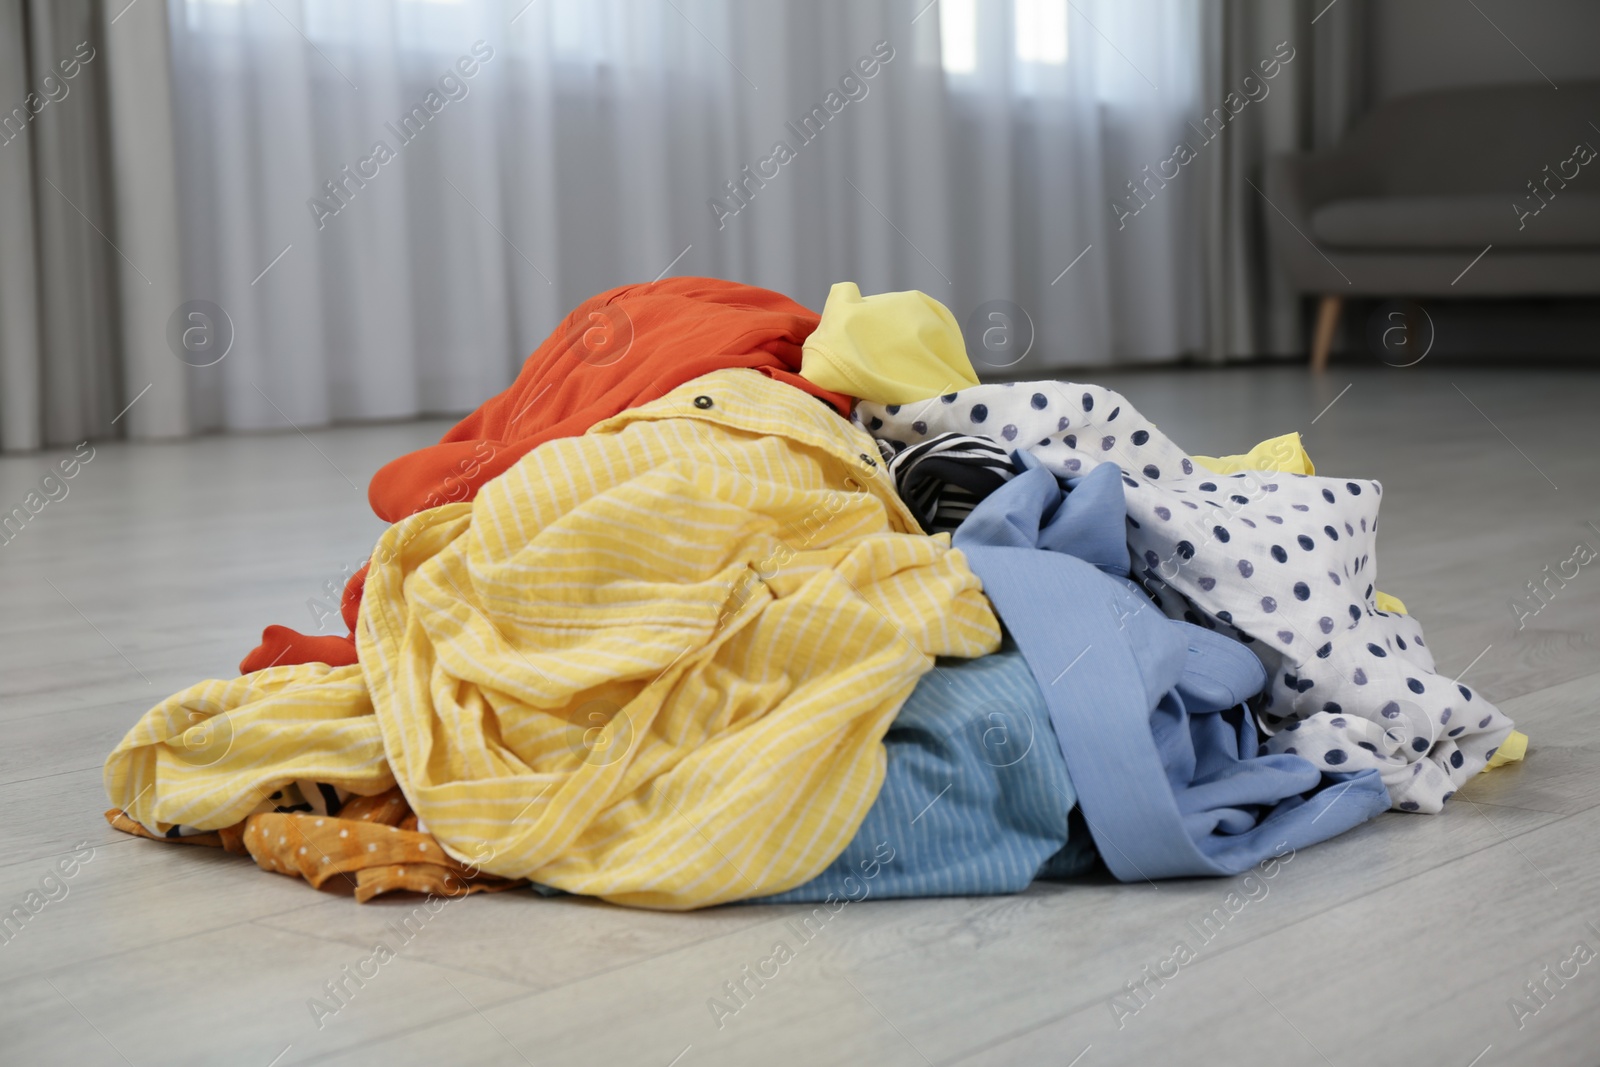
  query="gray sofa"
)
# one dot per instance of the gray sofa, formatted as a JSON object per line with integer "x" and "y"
{"x": 1424, "y": 183}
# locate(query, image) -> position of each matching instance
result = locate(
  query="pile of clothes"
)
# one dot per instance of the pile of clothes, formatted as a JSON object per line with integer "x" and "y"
{"x": 724, "y": 600}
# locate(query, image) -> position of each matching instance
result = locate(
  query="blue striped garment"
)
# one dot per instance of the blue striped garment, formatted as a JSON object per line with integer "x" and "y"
{"x": 975, "y": 798}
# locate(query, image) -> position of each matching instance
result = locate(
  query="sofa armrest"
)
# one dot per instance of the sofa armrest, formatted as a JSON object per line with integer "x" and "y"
{"x": 1295, "y": 185}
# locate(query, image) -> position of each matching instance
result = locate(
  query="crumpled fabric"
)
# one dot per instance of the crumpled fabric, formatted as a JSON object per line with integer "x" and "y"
{"x": 1148, "y": 710}
{"x": 943, "y": 478}
{"x": 976, "y": 798}
{"x": 1284, "y": 562}
{"x": 654, "y": 663}
{"x": 891, "y": 348}
{"x": 615, "y": 351}
{"x": 373, "y": 846}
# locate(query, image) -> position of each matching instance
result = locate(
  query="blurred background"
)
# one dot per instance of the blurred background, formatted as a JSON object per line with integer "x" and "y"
{"x": 236, "y": 215}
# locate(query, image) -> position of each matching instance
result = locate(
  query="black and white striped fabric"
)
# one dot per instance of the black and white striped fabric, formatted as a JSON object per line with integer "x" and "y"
{"x": 943, "y": 478}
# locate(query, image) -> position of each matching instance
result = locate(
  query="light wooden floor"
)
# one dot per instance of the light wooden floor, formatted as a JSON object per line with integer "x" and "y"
{"x": 1400, "y": 943}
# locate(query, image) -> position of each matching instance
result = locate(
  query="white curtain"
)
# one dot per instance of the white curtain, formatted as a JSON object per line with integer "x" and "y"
{"x": 215, "y": 182}
{"x": 589, "y": 146}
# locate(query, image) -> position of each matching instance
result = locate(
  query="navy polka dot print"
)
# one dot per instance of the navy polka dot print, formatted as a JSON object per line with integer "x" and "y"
{"x": 1268, "y": 559}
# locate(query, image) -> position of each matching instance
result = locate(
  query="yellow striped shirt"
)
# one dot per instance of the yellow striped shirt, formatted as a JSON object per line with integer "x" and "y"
{"x": 654, "y": 663}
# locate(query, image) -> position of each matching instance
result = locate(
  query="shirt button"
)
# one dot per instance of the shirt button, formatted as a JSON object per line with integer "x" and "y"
{"x": 702, "y": 402}
{"x": 868, "y": 460}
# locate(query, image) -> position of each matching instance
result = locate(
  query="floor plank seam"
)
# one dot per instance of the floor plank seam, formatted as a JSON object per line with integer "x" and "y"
{"x": 12, "y": 865}
{"x": 60, "y": 968}
{"x": 1220, "y": 953}
{"x": 535, "y": 994}
{"x": 402, "y": 1034}
{"x": 1532, "y": 810}
{"x": 54, "y": 774}
{"x": 415, "y": 959}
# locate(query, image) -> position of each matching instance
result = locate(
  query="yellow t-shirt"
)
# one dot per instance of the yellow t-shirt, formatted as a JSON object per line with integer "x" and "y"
{"x": 892, "y": 348}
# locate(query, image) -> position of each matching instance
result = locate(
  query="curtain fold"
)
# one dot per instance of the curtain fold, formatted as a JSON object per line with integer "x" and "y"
{"x": 384, "y": 205}
{"x": 142, "y": 153}
{"x": 60, "y": 365}
{"x": 21, "y": 409}
{"x": 1252, "y": 310}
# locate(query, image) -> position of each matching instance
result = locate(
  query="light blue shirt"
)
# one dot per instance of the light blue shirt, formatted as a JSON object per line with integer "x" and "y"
{"x": 975, "y": 796}
{"x": 1148, "y": 710}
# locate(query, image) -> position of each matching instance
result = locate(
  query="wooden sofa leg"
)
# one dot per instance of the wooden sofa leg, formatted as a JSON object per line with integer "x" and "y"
{"x": 1327, "y": 322}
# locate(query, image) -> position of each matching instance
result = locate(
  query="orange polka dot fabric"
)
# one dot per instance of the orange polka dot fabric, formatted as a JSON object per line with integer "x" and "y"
{"x": 372, "y": 847}
{"x": 229, "y": 838}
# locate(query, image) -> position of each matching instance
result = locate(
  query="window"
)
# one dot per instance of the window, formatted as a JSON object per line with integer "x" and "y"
{"x": 1041, "y": 31}
{"x": 1039, "y": 26}
{"x": 958, "y": 36}
{"x": 413, "y": 25}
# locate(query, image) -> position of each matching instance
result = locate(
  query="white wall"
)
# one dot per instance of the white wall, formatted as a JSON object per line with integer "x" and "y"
{"x": 1432, "y": 44}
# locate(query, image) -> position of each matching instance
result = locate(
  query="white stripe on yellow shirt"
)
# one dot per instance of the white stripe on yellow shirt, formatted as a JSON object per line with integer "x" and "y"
{"x": 654, "y": 663}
